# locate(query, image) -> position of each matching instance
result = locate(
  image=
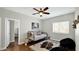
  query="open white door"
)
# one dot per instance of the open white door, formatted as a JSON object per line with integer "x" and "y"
{"x": 7, "y": 32}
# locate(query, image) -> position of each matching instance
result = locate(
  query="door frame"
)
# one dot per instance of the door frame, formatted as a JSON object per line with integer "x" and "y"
{"x": 7, "y": 19}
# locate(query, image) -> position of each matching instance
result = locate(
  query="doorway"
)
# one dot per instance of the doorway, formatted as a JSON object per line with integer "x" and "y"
{"x": 12, "y": 31}
{"x": 17, "y": 31}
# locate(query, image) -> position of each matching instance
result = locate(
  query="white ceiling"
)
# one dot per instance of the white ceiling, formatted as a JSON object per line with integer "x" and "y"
{"x": 54, "y": 11}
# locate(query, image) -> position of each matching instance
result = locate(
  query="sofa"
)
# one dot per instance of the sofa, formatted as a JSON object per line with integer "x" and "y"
{"x": 37, "y": 35}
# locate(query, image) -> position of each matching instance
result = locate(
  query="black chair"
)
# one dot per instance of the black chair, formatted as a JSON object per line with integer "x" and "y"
{"x": 68, "y": 44}
{"x": 58, "y": 49}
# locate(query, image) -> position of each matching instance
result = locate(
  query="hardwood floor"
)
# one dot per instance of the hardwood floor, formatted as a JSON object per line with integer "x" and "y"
{"x": 15, "y": 47}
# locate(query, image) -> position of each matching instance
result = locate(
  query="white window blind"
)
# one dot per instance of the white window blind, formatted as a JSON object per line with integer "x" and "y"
{"x": 61, "y": 27}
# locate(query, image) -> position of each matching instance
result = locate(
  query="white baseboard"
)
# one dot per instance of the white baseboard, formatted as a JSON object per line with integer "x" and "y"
{"x": 3, "y": 48}
{"x": 21, "y": 43}
{"x": 12, "y": 41}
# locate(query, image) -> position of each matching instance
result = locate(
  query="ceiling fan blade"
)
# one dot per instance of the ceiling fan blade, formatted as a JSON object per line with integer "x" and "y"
{"x": 35, "y": 13}
{"x": 46, "y": 13}
{"x": 36, "y": 9}
{"x": 45, "y": 9}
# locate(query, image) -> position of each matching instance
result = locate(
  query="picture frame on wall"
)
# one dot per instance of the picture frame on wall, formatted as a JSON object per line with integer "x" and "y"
{"x": 35, "y": 25}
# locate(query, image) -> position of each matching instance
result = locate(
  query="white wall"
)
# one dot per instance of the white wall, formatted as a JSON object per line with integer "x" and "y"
{"x": 47, "y": 26}
{"x": 25, "y": 23}
{"x": 11, "y": 31}
{"x": 16, "y": 25}
{"x": 77, "y": 30}
{"x": 77, "y": 37}
{"x": 76, "y": 12}
{"x": 0, "y": 32}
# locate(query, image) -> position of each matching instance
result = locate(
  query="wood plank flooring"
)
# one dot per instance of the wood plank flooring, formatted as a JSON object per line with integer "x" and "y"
{"x": 15, "y": 47}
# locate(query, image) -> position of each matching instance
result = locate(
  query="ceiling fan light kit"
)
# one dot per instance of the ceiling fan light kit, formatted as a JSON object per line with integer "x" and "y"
{"x": 40, "y": 14}
{"x": 41, "y": 11}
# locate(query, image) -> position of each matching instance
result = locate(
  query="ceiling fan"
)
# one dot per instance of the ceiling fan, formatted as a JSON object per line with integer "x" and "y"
{"x": 41, "y": 11}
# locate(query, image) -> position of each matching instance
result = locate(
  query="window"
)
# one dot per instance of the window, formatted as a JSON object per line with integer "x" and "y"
{"x": 61, "y": 27}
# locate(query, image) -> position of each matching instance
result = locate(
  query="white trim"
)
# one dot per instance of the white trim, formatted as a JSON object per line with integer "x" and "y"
{"x": 6, "y": 40}
{"x": 10, "y": 18}
{"x": 3, "y": 48}
{"x": 12, "y": 41}
{"x": 20, "y": 43}
{"x": 6, "y": 19}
